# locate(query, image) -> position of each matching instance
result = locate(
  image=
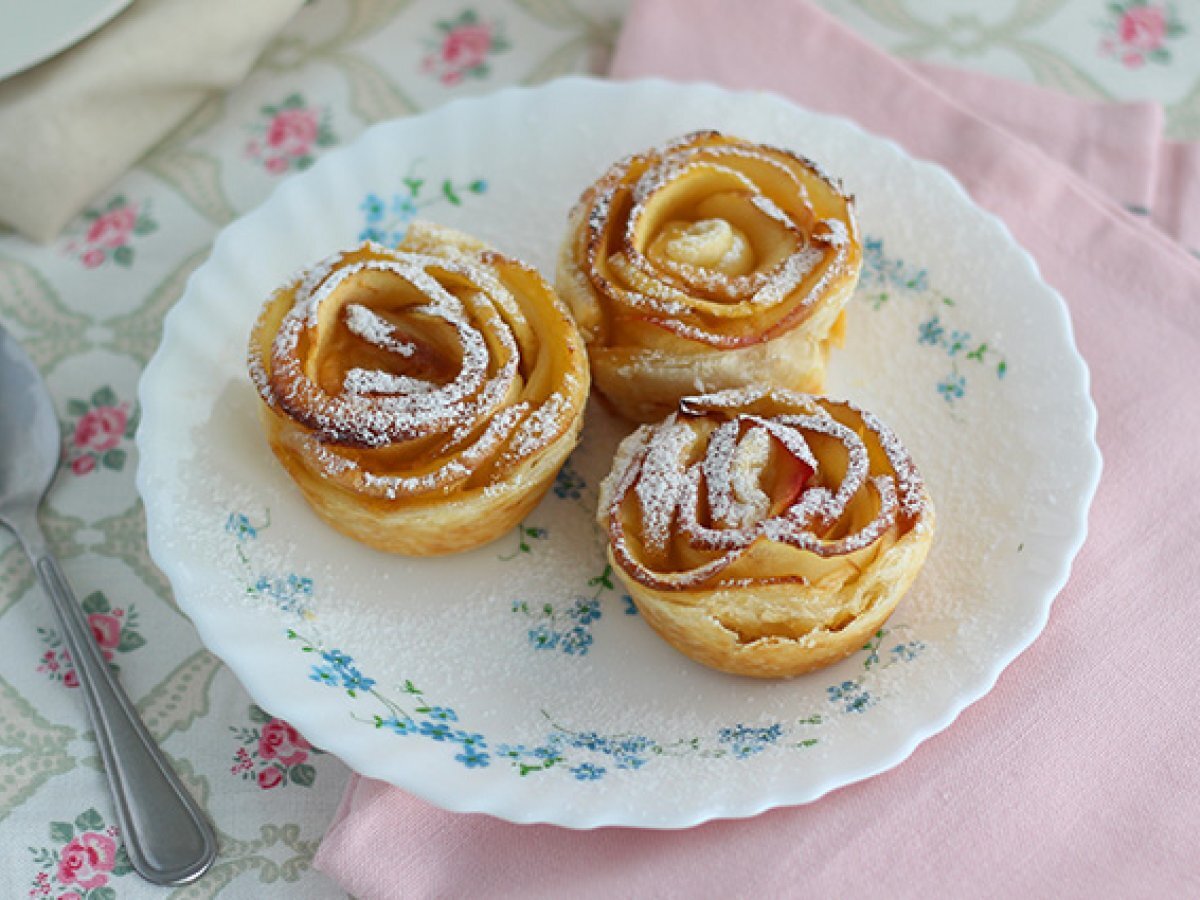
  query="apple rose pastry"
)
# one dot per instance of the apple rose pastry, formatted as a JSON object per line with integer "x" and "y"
{"x": 422, "y": 398}
{"x": 708, "y": 264}
{"x": 766, "y": 532}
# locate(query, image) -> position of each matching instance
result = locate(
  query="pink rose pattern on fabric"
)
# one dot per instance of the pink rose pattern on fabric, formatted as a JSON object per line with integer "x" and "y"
{"x": 106, "y": 629}
{"x": 110, "y": 233}
{"x": 1138, "y": 31}
{"x": 272, "y": 753}
{"x": 462, "y": 48}
{"x": 84, "y": 857}
{"x": 288, "y": 135}
{"x": 101, "y": 428}
{"x": 281, "y": 741}
{"x": 87, "y": 860}
{"x": 98, "y": 432}
{"x": 114, "y": 628}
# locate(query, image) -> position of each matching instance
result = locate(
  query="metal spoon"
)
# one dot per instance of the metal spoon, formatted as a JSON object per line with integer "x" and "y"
{"x": 167, "y": 836}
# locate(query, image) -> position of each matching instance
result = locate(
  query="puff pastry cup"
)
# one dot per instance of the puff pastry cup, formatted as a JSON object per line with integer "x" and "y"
{"x": 422, "y": 398}
{"x": 766, "y": 532}
{"x": 709, "y": 263}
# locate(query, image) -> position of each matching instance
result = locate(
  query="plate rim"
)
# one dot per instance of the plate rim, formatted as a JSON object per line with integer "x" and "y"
{"x": 355, "y": 753}
{"x": 66, "y": 38}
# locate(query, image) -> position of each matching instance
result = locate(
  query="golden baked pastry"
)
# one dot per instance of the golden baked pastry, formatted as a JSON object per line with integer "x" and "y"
{"x": 422, "y": 398}
{"x": 707, "y": 264}
{"x": 766, "y": 532}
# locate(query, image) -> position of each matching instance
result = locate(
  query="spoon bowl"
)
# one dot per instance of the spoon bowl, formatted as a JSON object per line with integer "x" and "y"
{"x": 29, "y": 433}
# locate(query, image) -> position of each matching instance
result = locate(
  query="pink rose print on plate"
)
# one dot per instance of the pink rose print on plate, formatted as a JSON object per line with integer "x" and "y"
{"x": 115, "y": 630}
{"x": 463, "y": 48}
{"x": 288, "y": 134}
{"x": 272, "y": 753}
{"x": 110, "y": 233}
{"x": 98, "y": 432}
{"x": 85, "y": 857}
{"x": 1139, "y": 31}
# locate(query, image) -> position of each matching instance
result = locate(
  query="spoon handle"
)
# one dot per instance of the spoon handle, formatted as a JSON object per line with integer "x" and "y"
{"x": 167, "y": 836}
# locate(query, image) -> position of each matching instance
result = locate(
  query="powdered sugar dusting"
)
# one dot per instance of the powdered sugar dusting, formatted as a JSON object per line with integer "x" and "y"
{"x": 726, "y": 480}
{"x": 373, "y": 328}
{"x": 456, "y": 469}
{"x": 678, "y": 290}
{"x": 383, "y": 408}
{"x": 732, "y": 470}
{"x": 476, "y": 409}
{"x": 788, "y": 277}
{"x": 374, "y": 381}
{"x": 660, "y": 481}
{"x": 539, "y": 428}
{"x": 838, "y": 235}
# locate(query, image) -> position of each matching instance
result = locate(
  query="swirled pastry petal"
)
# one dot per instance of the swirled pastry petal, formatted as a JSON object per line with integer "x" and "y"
{"x": 422, "y": 398}
{"x": 766, "y": 532}
{"x": 706, "y": 264}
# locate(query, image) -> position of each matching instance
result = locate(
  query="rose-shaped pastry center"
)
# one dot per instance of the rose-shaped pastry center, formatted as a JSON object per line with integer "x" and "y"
{"x": 714, "y": 239}
{"x": 711, "y": 244}
{"x": 409, "y": 345}
{"x": 412, "y": 373}
{"x": 395, "y": 349}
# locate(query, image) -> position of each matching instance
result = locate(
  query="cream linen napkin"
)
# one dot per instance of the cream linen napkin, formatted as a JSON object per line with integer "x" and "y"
{"x": 70, "y": 126}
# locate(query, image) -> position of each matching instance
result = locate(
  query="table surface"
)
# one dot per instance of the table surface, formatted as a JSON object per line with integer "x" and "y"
{"x": 89, "y": 308}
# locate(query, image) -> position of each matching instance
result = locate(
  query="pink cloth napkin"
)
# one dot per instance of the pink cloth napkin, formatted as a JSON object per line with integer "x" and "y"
{"x": 1078, "y": 775}
{"x": 1117, "y": 147}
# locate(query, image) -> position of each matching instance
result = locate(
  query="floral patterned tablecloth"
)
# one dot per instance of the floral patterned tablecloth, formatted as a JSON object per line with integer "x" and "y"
{"x": 89, "y": 308}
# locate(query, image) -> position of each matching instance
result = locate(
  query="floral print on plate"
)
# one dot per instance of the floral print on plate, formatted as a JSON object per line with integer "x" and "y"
{"x": 564, "y": 628}
{"x": 386, "y": 218}
{"x": 587, "y": 755}
{"x": 568, "y": 628}
{"x": 887, "y": 278}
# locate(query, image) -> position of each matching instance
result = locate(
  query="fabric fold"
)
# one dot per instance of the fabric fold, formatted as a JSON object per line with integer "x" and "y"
{"x": 1118, "y": 148}
{"x": 1175, "y": 207}
{"x": 70, "y": 126}
{"x": 1113, "y": 145}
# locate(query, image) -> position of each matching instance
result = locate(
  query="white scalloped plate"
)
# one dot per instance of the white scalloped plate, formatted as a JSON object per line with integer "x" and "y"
{"x": 515, "y": 680}
{"x": 32, "y": 32}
